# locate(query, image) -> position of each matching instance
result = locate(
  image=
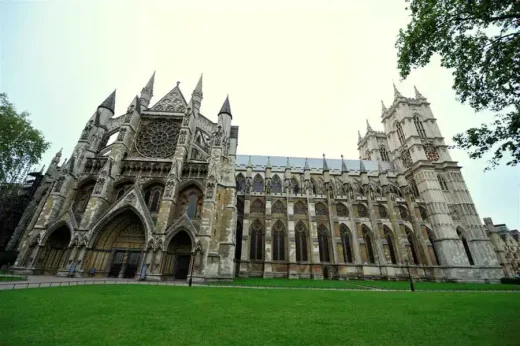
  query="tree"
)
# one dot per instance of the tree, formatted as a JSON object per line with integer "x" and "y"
{"x": 480, "y": 41}
{"x": 21, "y": 145}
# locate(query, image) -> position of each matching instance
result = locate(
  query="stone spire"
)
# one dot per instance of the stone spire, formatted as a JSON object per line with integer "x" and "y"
{"x": 369, "y": 128}
{"x": 359, "y": 136}
{"x": 268, "y": 164}
{"x": 343, "y": 165}
{"x": 109, "y": 103}
{"x": 418, "y": 95}
{"x": 362, "y": 168}
{"x": 147, "y": 93}
{"x": 226, "y": 108}
{"x": 306, "y": 166}
{"x": 325, "y": 165}
{"x": 134, "y": 106}
{"x": 383, "y": 107}
{"x": 196, "y": 96}
{"x": 249, "y": 163}
{"x": 397, "y": 94}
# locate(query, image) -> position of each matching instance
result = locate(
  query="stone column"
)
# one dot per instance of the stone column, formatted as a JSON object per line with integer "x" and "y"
{"x": 268, "y": 267}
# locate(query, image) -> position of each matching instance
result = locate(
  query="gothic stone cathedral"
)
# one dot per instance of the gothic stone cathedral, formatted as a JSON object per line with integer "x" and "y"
{"x": 170, "y": 197}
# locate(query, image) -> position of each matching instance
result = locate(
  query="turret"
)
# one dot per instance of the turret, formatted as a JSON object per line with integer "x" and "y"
{"x": 344, "y": 169}
{"x": 196, "y": 97}
{"x": 225, "y": 116}
{"x": 326, "y": 171}
{"x": 363, "y": 173}
{"x": 249, "y": 168}
{"x": 268, "y": 168}
{"x": 54, "y": 163}
{"x": 147, "y": 93}
{"x": 306, "y": 170}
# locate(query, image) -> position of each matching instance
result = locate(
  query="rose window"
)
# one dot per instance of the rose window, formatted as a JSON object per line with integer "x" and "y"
{"x": 158, "y": 139}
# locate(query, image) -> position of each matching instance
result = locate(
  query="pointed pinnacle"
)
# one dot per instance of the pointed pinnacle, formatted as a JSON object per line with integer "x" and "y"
{"x": 149, "y": 85}
{"x": 226, "y": 108}
{"x": 343, "y": 165}
{"x": 396, "y": 92}
{"x": 418, "y": 95}
{"x": 199, "y": 84}
{"x": 249, "y": 163}
{"x": 359, "y": 136}
{"x": 369, "y": 128}
{"x": 383, "y": 107}
{"x": 325, "y": 165}
{"x": 288, "y": 164}
{"x": 110, "y": 102}
{"x": 268, "y": 164}
{"x": 306, "y": 167}
{"x": 58, "y": 154}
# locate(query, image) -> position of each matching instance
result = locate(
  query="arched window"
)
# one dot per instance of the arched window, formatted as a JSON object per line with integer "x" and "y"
{"x": 404, "y": 213}
{"x": 384, "y": 154}
{"x": 278, "y": 241}
{"x": 400, "y": 133}
{"x": 442, "y": 182}
{"x": 258, "y": 184}
{"x": 433, "y": 252}
{"x": 323, "y": 243}
{"x": 278, "y": 208}
{"x": 321, "y": 209}
{"x": 341, "y": 210}
{"x": 346, "y": 242}
{"x": 192, "y": 206}
{"x": 368, "y": 244}
{"x": 383, "y": 213}
{"x": 82, "y": 196}
{"x": 190, "y": 202}
{"x": 424, "y": 213}
{"x": 152, "y": 197}
{"x": 362, "y": 210}
{"x": 257, "y": 241}
{"x": 300, "y": 208}
{"x": 419, "y": 126}
{"x": 241, "y": 182}
{"x": 390, "y": 244}
{"x": 413, "y": 246}
{"x": 301, "y": 242}
{"x": 257, "y": 207}
{"x": 276, "y": 184}
{"x": 466, "y": 247}
{"x": 296, "y": 187}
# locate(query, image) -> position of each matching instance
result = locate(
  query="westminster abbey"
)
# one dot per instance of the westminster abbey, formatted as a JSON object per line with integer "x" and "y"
{"x": 161, "y": 193}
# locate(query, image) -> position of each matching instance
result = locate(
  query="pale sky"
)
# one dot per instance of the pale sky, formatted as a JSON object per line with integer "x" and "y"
{"x": 302, "y": 76}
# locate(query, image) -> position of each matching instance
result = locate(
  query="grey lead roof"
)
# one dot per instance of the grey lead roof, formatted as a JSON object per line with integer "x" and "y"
{"x": 316, "y": 164}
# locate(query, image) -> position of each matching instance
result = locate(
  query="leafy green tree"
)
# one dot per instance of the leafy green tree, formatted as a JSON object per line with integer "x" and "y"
{"x": 21, "y": 145}
{"x": 479, "y": 40}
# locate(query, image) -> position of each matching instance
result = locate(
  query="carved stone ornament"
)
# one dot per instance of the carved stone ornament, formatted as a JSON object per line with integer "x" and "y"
{"x": 217, "y": 137}
{"x": 182, "y": 137}
{"x": 59, "y": 183}
{"x": 121, "y": 135}
{"x": 158, "y": 139}
{"x": 86, "y": 130}
{"x": 406, "y": 158}
{"x": 99, "y": 185}
{"x": 431, "y": 152}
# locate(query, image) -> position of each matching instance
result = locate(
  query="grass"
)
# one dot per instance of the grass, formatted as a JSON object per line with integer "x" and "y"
{"x": 166, "y": 315}
{"x": 359, "y": 284}
{"x": 6, "y": 277}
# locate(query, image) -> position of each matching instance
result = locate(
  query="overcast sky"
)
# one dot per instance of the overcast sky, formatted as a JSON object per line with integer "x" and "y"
{"x": 302, "y": 76}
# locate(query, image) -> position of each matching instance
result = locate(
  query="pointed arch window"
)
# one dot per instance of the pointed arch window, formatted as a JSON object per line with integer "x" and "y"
{"x": 279, "y": 208}
{"x": 278, "y": 241}
{"x": 466, "y": 247}
{"x": 321, "y": 209}
{"x": 323, "y": 243}
{"x": 384, "y": 154}
{"x": 258, "y": 207}
{"x": 400, "y": 133}
{"x": 413, "y": 246}
{"x": 257, "y": 241}
{"x": 419, "y": 126}
{"x": 152, "y": 197}
{"x": 346, "y": 243}
{"x": 300, "y": 208}
{"x": 258, "y": 184}
{"x": 341, "y": 210}
{"x": 276, "y": 184}
{"x": 240, "y": 182}
{"x": 367, "y": 237}
{"x": 442, "y": 182}
{"x": 390, "y": 243}
{"x": 83, "y": 196}
{"x": 295, "y": 186}
{"x": 301, "y": 242}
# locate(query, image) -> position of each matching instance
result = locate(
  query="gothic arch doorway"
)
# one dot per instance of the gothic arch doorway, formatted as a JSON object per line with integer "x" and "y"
{"x": 178, "y": 256}
{"x": 118, "y": 248}
{"x": 55, "y": 253}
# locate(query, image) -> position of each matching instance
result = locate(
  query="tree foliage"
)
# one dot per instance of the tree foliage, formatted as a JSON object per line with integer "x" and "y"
{"x": 21, "y": 145}
{"x": 480, "y": 41}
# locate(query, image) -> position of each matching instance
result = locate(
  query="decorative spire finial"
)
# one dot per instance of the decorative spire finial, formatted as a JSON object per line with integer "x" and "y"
{"x": 306, "y": 167}
{"x": 325, "y": 165}
{"x": 383, "y": 107}
{"x": 249, "y": 163}
{"x": 362, "y": 168}
{"x": 226, "y": 108}
{"x": 418, "y": 95}
{"x": 110, "y": 102}
{"x": 369, "y": 128}
{"x": 178, "y": 84}
{"x": 288, "y": 164}
{"x": 343, "y": 165}
{"x": 397, "y": 94}
{"x": 268, "y": 165}
{"x": 359, "y": 136}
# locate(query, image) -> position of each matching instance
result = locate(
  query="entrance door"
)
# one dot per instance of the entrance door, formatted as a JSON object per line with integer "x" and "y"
{"x": 117, "y": 263}
{"x": 131, "y": 266}
{"x": 182, "y": 266}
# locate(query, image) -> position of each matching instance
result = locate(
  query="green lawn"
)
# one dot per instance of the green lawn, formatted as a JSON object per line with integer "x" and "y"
{"x": 166, "y": 315}
{"x": 368, "y": 285}
{"x": 9, "y": 277}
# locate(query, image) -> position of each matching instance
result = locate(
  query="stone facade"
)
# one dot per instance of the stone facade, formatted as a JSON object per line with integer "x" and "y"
{"x": 507, "y": 246}
{"x": 170, "y": 198}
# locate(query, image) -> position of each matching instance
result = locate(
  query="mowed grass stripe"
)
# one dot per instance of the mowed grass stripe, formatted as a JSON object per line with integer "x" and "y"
{"x": 163, "y": 315}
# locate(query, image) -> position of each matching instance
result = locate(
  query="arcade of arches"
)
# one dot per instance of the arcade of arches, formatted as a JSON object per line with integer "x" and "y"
{"x": 54, "y": 255}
